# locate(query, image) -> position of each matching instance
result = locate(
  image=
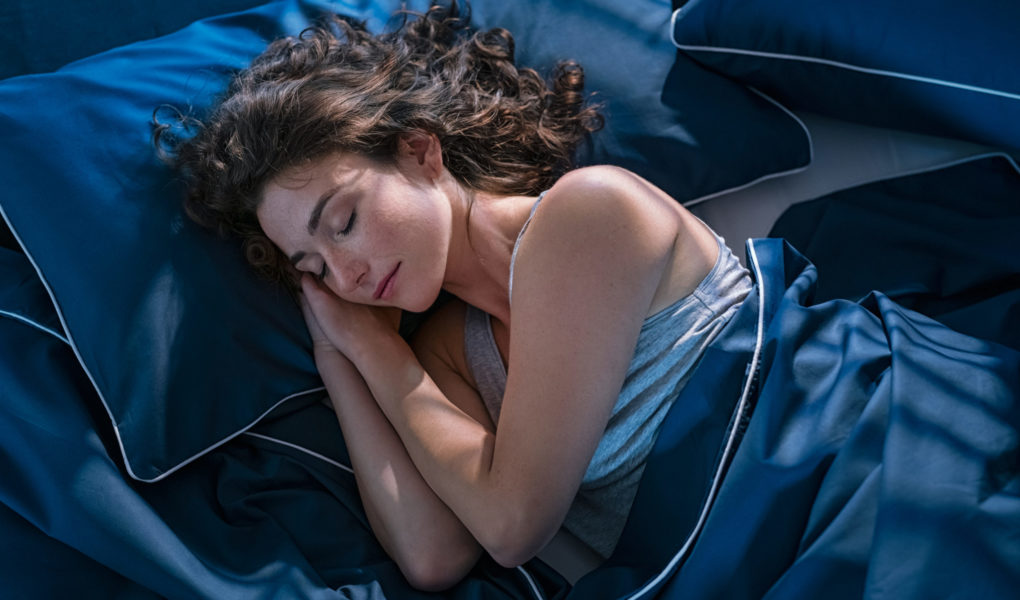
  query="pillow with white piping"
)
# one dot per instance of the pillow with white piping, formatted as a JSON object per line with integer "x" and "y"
{"x": 185, "y": 346}
{"x": 942, "y": 68}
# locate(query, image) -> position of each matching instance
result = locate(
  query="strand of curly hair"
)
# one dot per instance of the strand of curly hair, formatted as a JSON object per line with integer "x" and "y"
{"x": 337, "y": 88}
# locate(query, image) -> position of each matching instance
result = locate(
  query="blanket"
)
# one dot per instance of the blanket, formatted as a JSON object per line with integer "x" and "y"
{"x": 871, "y": 452}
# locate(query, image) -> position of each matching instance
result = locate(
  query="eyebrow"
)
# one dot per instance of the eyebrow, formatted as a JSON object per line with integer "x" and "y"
{"x": 313, "y": 220}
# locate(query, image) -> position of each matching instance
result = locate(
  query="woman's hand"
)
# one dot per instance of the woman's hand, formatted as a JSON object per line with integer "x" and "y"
{"x": 336, "y": 324}
{"x": 320, "y": 343}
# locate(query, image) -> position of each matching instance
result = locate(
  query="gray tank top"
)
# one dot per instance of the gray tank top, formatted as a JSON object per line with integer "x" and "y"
{"x": 668, "y": 348}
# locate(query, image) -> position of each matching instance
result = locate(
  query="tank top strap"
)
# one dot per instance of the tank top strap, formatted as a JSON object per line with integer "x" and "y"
{"x": 517, "y": 243}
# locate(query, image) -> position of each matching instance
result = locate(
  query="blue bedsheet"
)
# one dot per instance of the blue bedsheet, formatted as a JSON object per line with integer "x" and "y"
{"x": 873, "y": 453}
{"x": 822, "y": 450}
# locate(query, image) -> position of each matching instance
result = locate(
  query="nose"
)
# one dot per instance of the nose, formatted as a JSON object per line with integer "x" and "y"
{"x": 350, "y": 274}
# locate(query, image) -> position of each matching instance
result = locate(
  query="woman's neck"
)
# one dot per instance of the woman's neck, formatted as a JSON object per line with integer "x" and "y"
{"x": 485, "y": 230}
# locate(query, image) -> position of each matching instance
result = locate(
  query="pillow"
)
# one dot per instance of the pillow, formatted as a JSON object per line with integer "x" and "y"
{"x": 22, "y": 296}
{"x": 945, "y": 69}
{"x": 185, "y": 346}
{"x": 681, "y": 126}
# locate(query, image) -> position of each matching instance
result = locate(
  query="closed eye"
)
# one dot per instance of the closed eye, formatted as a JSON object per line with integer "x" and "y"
{"x": 350, "y": 225}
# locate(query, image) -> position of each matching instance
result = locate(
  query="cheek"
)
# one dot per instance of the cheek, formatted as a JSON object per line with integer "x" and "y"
{"x": 408, "y": 228}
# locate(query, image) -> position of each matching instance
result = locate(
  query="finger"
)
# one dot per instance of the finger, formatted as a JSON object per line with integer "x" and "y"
{"x": 308, "y": 312}
{"x": 308, "y": 284}
{"x": 313, "y": 293}
{"x": 306, "y": 309}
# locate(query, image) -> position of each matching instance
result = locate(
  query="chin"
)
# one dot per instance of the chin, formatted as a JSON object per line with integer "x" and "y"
{"x": 421, "y": 303}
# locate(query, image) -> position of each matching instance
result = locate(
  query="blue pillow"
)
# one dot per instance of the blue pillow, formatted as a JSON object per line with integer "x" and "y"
{"x": 688, "y": 130}
{"x": 941, "y": 67}
{"x": 185, "y": 346}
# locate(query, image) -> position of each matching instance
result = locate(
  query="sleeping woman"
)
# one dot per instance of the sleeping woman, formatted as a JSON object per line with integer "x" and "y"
{"x": 376, "y": 171}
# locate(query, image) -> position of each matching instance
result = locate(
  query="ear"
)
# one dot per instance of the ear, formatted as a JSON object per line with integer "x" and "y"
{"x": 424, "y": 149}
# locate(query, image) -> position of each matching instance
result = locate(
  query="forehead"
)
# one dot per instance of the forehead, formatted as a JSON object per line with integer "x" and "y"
{"x": 285, "y": 200}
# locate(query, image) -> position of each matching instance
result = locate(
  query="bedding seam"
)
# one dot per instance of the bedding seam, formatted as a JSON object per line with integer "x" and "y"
{"x": 102, "y": 397}
{"x": 70, "y": 339}
{"x": 30, "y": 322}
{"x": 223, "y": 441}
{"x": 729, "y": 448}
{"x": 767, "y": 176}
{"x": 520, "y": 568}
{"x": 847, "y": 66}
{"x": 531, "y": 583}
{"x": 300, "y": 448}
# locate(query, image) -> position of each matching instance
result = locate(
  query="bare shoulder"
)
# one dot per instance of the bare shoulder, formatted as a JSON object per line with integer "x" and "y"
{"x": 601, "y": 184}
{"x": 623, "y": 224}
{"x": 604, "y": 199}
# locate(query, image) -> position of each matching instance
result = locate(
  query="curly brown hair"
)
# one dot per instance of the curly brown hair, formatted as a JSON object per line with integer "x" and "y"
{"x": 338, "y": 88}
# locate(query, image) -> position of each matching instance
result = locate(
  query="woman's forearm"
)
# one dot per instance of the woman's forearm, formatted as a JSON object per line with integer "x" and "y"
{"x": 451, "y": 450}
{"x": 415, "y": 527}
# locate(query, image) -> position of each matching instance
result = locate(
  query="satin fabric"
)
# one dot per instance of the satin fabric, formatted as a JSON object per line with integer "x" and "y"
{"x": 941, "y": 69}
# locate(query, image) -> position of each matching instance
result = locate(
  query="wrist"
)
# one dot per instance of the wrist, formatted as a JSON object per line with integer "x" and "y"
{"x": 387, "y": 364}
{"x": 328, "y": 355}
{"x": 323, "y": 346}
{"x": 379, "y": 346}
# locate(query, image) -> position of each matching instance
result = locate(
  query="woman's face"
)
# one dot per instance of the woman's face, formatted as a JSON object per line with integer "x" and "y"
{"x": 375, "y": 233}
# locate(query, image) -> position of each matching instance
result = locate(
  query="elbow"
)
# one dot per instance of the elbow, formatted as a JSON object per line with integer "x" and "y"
{"x": 438, "y": 569}
{"x": 516, "y": 541}
{"x": 512, "y": 557}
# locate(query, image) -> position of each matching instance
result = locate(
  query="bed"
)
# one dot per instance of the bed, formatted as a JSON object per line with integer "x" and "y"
{"x": 854, "y": 431}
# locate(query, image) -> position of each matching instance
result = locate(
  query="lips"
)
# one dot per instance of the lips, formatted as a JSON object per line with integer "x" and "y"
{"x": 385, "y": 287}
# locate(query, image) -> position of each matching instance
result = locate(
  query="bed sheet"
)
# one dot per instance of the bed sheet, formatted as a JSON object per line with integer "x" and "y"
{"x": 843, "y": 155}
{"x": 871, "y": 452}
{"x": 941, "y": 242}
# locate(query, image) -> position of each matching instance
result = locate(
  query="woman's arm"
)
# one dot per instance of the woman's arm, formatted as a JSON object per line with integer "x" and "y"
{"x": 586, "y": 275}
{"x": 430, "y": 545}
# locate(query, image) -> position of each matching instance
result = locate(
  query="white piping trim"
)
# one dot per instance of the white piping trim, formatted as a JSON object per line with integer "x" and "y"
{"x": 717, "y": 480}
{"x": 102, "y": 399}
{"x": 312, "y": 453}
{"x": 848, "y": 66}
{"x": 672, "y": 24}
{"x": 217, "y": 444}
{"x": 39, "y": 326}
{"x": 70, "y": 340}
{"x": 531, "y": 582}
{"x": 527, "y": 576}
{"x": 793, "y": 171}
